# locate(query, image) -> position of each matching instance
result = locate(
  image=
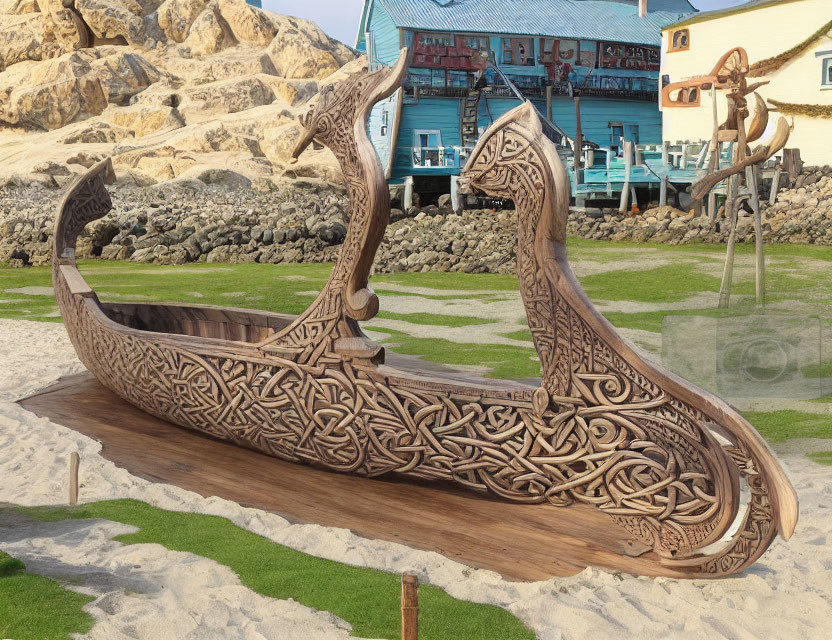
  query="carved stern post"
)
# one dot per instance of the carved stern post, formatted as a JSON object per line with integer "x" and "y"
{"x": 660, "y": 456}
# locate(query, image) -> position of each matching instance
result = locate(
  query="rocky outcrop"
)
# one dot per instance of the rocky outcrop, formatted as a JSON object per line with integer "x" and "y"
{"x": 116, "y": 77}
{"x": 50, "y": 94}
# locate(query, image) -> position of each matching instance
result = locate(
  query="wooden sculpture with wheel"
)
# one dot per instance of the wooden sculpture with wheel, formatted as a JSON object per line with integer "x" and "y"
{"x": 605, "y": 428}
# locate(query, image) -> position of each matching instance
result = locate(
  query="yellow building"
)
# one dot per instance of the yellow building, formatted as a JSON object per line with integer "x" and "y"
{"x": 789, "y": 43}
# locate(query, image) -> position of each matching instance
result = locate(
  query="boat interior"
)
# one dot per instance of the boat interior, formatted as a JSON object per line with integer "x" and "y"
{"x": 223, "y": 323}
{"x": 252, "y": 327}
{"x": 249, "y": 326}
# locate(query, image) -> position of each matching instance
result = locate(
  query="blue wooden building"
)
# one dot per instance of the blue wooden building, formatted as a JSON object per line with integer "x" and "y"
{"x": 605, "y": 51}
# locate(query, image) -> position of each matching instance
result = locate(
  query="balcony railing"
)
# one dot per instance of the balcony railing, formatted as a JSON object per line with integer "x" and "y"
{"x": 440, "y": 157}
{"x": 599, "y": 86}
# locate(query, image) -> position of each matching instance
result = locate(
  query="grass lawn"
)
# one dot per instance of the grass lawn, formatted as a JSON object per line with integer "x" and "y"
{"x": 777, "y": 426}
{"x": 366, "y": 598}
{"x": 24, "y": 598}
{"x": 822, "y": 457}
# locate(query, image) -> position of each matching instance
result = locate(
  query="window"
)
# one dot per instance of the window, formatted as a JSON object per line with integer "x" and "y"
{"x": 458, "y": 79}
{"x": 426, "y": 77}
{"x": 680, "y": 40}
{"x": 478, "y": 44}
{"x": 679, "y": 95}
{"x": 518, "y": 51}
{"x": 616, "y": 134}
{"x": 826, "y": 81}
{"x": 419, "y": 77}
{"x": 632, "y": 133}
{"x": 426, "y": 148}
{"x": 435, "y": 40}
{"x": 547, "y": 50}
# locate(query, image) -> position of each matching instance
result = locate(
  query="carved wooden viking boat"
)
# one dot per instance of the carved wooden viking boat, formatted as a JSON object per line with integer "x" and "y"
{"x": 682, "y": 472}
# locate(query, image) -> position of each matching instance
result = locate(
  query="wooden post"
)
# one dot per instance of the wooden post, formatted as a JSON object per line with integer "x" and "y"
{"x": 752, "y": 174}
{"x": 712, "y": 205}
{"x": 731, "y": 211}
{"x": 713, "y": 163}
{"x": 609, "y": 164}
{"x": 549, "y": 113}
{"x": 734, "y": 183}
{"x": 579, "y": 142}
{"x": 456, "y": 203}
{"x": 628, "y": 167}
{"x": 775, "y": 185}
{"x": 410, "y": 607}
{"x": 407, "y": 201}
{"x": 792, "y": 164}
{"x": 74, "y": 463}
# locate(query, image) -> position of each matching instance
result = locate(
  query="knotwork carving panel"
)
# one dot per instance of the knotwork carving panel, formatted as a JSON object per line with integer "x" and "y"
{"x": 603, "y": 429}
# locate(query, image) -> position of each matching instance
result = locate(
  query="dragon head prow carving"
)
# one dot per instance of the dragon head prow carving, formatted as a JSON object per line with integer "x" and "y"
{"x": 336, "y": 102}
{"x": 515, "y": 160}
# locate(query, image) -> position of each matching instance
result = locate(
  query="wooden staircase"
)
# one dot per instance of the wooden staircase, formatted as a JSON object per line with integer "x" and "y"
{"x": 469, "y": 123}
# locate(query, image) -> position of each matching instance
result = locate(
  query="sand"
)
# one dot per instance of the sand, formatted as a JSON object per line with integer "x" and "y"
{"x": 145, "y": 591}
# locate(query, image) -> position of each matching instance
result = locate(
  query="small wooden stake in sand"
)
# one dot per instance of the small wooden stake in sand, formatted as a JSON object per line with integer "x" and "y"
{"x": 74, "y": 463}
{"x": 410, "y": 607}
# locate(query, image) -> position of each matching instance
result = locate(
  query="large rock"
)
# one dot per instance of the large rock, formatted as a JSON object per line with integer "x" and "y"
{"x": 50, "y": 94}
{"x": 143, "y": 120}
{"x": 25, "y": 37}
{"x": 247, "y": 23}
{"x": 175, "y": 17}
{"x": 225, "y": 96}
{"x": 17, "y": 7}
{"x": 301, "y": 50}
{"x": 123, "y": 75}
{"x": 209, "y": 33}
{"x": 114, "y": 19}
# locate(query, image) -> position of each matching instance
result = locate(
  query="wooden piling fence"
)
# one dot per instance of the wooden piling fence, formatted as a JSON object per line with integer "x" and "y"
{"x": 410, "y": 607}
{"x": 74, "y": 463}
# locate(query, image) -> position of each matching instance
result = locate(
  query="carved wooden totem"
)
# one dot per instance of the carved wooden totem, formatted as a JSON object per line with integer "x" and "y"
{"x": 660, "y": 457}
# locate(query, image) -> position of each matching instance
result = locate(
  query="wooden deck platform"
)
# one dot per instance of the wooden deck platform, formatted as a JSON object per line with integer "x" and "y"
{"x": 521, "y": 542}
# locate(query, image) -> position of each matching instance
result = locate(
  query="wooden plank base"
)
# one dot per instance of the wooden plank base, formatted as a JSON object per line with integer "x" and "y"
{"x": 521, "y": 542}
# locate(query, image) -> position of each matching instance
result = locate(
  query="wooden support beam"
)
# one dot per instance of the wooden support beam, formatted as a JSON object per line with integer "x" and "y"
{"x": 792, "y": 164}
{"x": 579, "y": 143}
{"x": 549, "y": 111}
{"x": 410, "y": 607}
{"x": 775, "y": 184}
{"x": 407, "y": 201}
{"x": 74, "y": 464}
{"x": 752, "y": 177}
{"x": 712, "y": 205}
{"x": 456, "y": 203}
{"x": 609, "y": 184}
{"x": 628, "y": 168}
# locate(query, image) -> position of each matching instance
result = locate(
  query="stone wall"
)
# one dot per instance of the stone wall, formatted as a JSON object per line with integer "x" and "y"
{"x": 305, "y": 222}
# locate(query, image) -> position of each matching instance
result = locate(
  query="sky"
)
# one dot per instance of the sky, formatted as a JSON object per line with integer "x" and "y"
{"x": 339, "y": 18}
